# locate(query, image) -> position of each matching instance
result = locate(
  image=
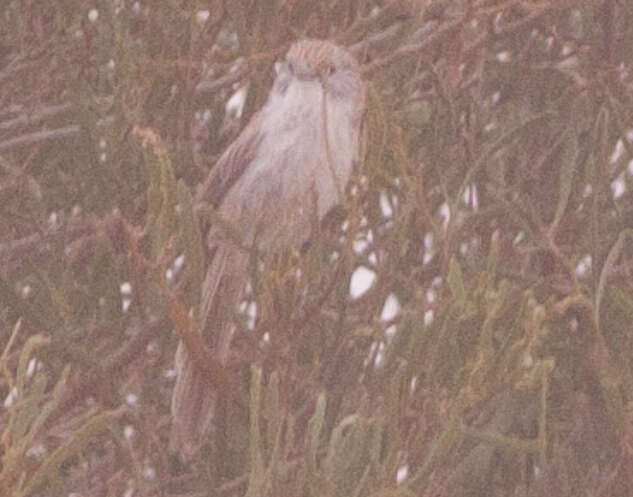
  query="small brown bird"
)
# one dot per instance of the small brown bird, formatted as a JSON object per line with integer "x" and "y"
{"x": 295, "y": 156}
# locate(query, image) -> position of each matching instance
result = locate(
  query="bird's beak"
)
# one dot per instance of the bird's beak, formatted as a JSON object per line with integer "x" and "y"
{"x": 301, "y": 70}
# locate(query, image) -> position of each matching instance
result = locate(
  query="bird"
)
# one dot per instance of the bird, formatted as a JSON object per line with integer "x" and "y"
{"x": 288, "y": 165}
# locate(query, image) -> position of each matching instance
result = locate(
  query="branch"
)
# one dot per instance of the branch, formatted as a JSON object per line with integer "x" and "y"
{"x": 39, "y": 136}
{"x": 26, "y": 119}
{"x": 411, "y": 49}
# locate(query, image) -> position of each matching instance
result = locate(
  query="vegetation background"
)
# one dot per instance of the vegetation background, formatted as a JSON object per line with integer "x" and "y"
{"x": 489, "y": 351}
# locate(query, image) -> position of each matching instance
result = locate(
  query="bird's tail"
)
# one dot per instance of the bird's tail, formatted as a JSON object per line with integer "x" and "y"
{"x": 193, "y": 406}
{"x": 195, "y": 396}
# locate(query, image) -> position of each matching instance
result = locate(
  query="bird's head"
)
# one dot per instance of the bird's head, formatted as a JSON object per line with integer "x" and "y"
{"x": 309, "y": 60}
{"x": 312, "y": 59}
{"x": 322, "y": 62}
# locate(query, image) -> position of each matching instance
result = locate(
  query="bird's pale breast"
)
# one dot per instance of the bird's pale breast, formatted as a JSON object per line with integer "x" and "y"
{"x": 293, "y": 173}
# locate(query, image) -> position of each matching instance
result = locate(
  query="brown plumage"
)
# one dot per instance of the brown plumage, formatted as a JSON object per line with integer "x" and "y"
{"x": 296, "y": 154}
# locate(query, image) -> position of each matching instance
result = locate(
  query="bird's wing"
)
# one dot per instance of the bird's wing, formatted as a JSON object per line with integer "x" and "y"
{"x": 232, "y": 163}
{"x": 194, "y": 399}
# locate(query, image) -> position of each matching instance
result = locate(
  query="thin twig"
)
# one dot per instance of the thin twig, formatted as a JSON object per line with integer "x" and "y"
{"x": 206, "y": 86}
{"x": 39, "y": 136}
{"x": 412, "y": 48}
{"x": 27, "y": 119}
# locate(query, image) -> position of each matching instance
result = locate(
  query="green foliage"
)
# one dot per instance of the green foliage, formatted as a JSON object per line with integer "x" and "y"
{"x": 33, "y": 408}
{"x": 494, "y": 205}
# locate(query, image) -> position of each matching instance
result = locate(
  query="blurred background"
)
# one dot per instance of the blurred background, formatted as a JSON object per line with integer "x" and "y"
{"x": 461, "y": 327}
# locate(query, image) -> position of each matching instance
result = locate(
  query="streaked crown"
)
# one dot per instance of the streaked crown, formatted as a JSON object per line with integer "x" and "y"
{"x": 319, "y": 58}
